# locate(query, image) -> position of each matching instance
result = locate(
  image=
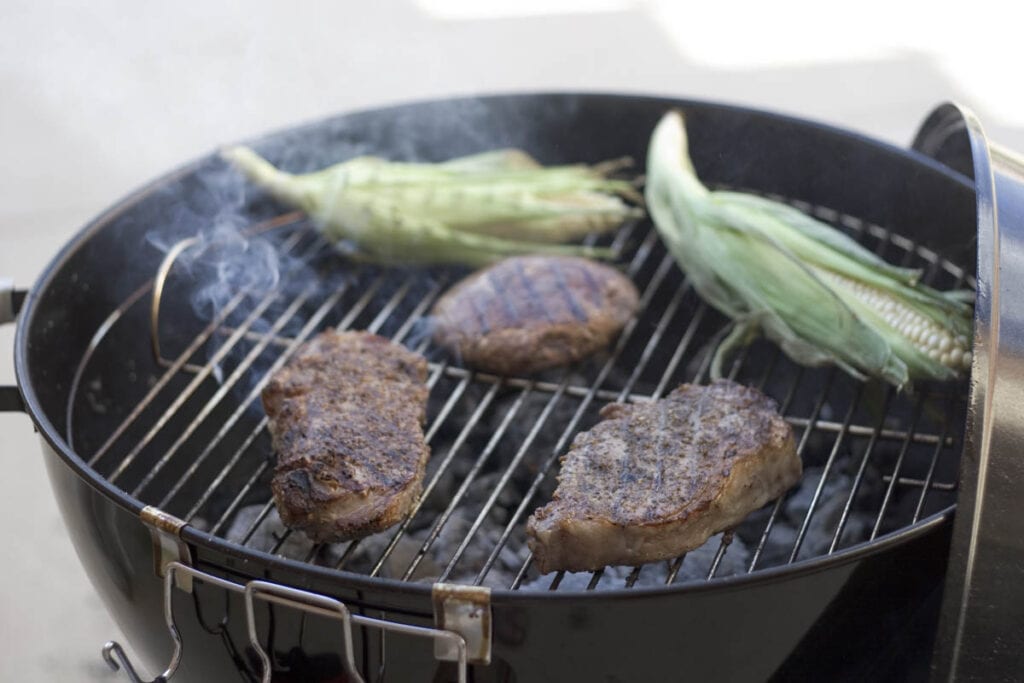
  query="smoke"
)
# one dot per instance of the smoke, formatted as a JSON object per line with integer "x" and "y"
{"x": 229, "y": 267}
{"x": 220, "y": 213}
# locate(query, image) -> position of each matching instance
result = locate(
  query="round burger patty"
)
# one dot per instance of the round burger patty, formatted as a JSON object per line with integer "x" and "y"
{"x": 530, "y": 313}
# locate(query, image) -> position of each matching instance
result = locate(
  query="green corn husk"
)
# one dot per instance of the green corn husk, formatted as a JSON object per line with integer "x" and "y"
{"x": 471, "y": 210}
{"x": 808, "y": 287}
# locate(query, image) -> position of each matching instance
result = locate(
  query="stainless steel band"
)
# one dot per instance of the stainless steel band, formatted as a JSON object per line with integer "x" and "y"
{"x": 980, "y": 637}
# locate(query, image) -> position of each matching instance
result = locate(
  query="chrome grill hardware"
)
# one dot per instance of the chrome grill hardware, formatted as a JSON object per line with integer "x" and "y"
{"x": 164, "y": 270}
{"x": 304, "y": 600}
{"x": 466, "y": 610}
{"x": 448, "y": 642}
{"x": 165, "y": 532}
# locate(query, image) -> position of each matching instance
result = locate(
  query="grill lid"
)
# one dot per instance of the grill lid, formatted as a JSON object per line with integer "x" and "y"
{"x": 980, "y": 635}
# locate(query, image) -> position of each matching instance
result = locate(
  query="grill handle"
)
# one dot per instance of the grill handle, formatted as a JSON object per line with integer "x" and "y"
{"x": 11, "y": 300}
{"x": 980, "y": 636}
{"x": 453, "y": 641}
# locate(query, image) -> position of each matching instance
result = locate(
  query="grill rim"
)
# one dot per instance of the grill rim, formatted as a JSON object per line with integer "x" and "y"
{"x": 192, "y": 535}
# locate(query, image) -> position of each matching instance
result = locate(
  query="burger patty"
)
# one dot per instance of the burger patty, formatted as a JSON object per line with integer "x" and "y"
{"x": 530, "y": 313}
{"x": 652, "y": 481}
{"x": 346, "y": 419}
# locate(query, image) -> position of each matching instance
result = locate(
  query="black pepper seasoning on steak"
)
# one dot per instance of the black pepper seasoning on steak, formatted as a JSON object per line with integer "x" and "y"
{"x": 651, "y": 481}
{"x": 530, "y": 313}
{"x": 346, "y": 418}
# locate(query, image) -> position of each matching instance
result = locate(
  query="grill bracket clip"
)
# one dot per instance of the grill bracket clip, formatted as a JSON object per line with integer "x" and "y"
{"x": 465, "y": 610}
{"x": 165, "y": 532}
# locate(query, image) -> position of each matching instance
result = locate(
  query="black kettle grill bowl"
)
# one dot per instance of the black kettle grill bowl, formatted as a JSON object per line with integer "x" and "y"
{"x": 867, "y": 611}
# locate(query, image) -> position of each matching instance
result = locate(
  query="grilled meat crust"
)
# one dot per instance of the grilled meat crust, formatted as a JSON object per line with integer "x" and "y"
{"x": 346, "y": 419}
{"x": 652, "y": 481}
{"x": 530, "y": 313}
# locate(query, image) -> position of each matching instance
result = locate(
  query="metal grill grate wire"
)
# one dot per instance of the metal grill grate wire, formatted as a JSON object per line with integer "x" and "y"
{"x": 237, "y": 464}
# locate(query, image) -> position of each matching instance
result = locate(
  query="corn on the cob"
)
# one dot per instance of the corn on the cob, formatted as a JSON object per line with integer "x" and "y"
{"x": 817, "y": 293}
{"x": 470, "y": 210}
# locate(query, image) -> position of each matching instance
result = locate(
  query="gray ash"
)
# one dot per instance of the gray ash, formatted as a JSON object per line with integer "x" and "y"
{"x": 779, "y": 545}
{"x": 696, "y": 566}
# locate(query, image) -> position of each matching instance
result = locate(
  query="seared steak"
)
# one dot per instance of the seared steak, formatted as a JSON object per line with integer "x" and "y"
{"x": 346, "y": 418}
{"x": 652, "y": 481}
{"x": 530, "y": 313}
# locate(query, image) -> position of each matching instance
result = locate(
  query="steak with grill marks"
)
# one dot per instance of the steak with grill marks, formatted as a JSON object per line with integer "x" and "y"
{"x": 530, "y": 313}
{"x": 346, "y": 418}
{"x": 654, "y": 480}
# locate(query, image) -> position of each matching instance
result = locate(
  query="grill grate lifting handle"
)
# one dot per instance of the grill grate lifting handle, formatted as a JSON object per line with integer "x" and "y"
{"x": 980, "y": 635}
{"x": 449, "y": 644}
{"x": 462, "y": 614}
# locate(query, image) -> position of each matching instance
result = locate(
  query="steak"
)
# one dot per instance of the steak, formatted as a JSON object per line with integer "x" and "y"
{"x": 346, "y": 419}
{"x": 651, "y": 481}
{"x": 530, "y": 313}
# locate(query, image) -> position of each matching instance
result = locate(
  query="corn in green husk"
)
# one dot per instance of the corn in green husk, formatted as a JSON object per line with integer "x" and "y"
{"x": 817, "y": 293}
{"x": 471, "y": 210}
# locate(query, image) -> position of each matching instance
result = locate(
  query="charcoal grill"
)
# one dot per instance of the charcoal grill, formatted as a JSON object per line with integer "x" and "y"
{"x": 144, "y": 380}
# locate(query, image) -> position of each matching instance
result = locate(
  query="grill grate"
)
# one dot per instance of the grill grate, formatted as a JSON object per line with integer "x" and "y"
{"x": 195, "y": 442}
